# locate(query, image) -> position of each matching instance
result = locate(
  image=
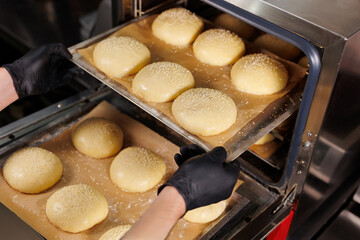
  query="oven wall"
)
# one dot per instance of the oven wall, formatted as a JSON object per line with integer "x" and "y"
{"x": 333, "y": 173}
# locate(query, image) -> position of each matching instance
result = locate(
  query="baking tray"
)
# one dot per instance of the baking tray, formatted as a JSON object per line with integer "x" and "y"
{"x": 257, "y": 115}
{"x": 124, "y": 208}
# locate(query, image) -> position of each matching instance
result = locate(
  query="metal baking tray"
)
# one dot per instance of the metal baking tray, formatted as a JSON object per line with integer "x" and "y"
{"x": 249, "y": 202}
{"x": 275, "y": 113}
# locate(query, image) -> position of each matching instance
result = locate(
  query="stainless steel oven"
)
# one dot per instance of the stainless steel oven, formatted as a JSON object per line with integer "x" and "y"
{"x": 316, "y": 169}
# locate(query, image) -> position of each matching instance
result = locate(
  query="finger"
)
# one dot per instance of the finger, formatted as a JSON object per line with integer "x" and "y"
{"x": 196, "y": 150}
{"x": 59, "y": 49}
{"x": 218, "y": 154}
{"x": 189, "y": 151}
{"x": 179, "y": 159}
{"x": 233, "y": 167}
{"x": 186, "y": 152}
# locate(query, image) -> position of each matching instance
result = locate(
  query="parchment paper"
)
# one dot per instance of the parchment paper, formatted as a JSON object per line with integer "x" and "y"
{"x": 205, "y": 75}
{"x": 124, "y": 208}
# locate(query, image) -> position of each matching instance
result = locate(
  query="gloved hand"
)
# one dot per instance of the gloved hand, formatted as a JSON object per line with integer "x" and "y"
{"x": 41, "y": 70}
{"x": 204, "y": 179}
{"x": 186, "y": 152}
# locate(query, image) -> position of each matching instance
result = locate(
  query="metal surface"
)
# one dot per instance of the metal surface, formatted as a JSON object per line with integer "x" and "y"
{"x": 36, "y": 23}
{"x": 346, "y": 226}
{"x": 340, "y": 17}
{"x": 336, "y": 151}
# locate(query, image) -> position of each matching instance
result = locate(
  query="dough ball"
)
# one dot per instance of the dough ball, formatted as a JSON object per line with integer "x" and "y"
{"x": 162, "y": 81}
{"x": 136, "y": 169}
{"x": 259, "y": 74}
{"x": 265, "y": 139}
{"x": 97, "y": 137}
{"x": 177, "y": 26}
{"x": 235, "y": 25}
{"x": 121, "y": 56}
{"x": 76, "y": 208}
{"x": 277, "y": 46}
{"x": 205, "y": 214}
{"x": 218, "y": 47}
{"x": 304, "y": 62}
{"x": 115, "y": 233}
{"x": 32, "y": 170}
{"x": 204, "y": 111}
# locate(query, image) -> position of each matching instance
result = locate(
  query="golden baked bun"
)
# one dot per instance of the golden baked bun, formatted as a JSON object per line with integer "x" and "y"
{"x": 121, "y": 56}
{"x": 32, "y": 170}
{"x": 162, "y": 81}
{"x": 259, "y": 74}
{"x": 277, "y": 46}
{"x": 177, "y": 26}
{"x": 265, "y": 139}
{"x": 97, "y": 137}
{"x": 218, "y": 47}
{"x": 235, "y": 25}
{"x": 115, "y": 233}
{"x": 206, "y": 214}
{"x": 76, "y": 208}
{"x": 137, "y": 169}
{"x": 204, "y": 111}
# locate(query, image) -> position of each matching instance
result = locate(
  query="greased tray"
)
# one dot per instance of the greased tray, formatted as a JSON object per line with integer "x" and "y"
{"x": 257, "y": 115}
{"x": 124, "y": 208}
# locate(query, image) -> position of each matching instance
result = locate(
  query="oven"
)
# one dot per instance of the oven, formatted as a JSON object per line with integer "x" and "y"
{"x": 313, "y": 172}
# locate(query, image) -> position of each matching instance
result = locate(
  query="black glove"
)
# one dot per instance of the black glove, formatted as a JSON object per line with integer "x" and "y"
{"x": 41, "y": 70}
{"x": 186, "y": 152}
{"x": 205, "y": 178}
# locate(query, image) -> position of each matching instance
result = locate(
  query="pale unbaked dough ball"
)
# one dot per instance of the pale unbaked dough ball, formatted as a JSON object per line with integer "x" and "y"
{"x": 204, "y": 111}
{"x": 121, "y": 56}
{"x": 162, "y": 81}
{"x": 259, "y": 74}
{"x": 115, "y": 233}
{"x": 218, "y": 47}
{"x": 177, "y": 26}
{"x": 304, "y": 62}
{"x": 235, "y": 25}
{"x": 137, "y": 169}
{"x": 76, "y": 208}
{"x": 207, "y": 213}
{"x": 32, "y": 170}
{"x": 97, "y": 137}
{"x": 277, "y": 46}
{"x": 265, "y": 139}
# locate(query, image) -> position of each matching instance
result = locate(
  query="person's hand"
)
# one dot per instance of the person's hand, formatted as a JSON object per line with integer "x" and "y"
{"x": 186, "y": 152}
{"x": 203, "y": 179}
{"x": 41, "y": 69}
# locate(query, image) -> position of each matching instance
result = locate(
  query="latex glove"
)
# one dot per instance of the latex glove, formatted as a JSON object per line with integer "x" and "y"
{"x": 186, "y": 152}
{"x": 41, "y": 70}
{"x": 204, "y": 179}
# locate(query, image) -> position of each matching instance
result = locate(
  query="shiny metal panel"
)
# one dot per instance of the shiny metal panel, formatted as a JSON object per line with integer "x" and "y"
{"x": 340, "y": 17}
{"x": 317, "y": 34}
{"x": 335, "y": 152}
{"x": 345, "y": 226}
